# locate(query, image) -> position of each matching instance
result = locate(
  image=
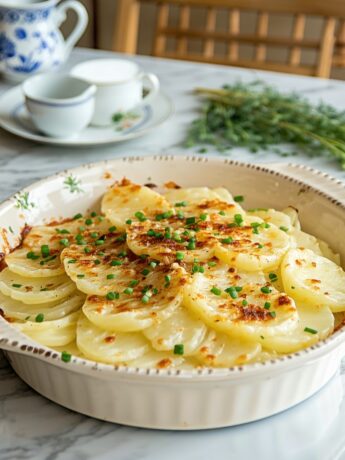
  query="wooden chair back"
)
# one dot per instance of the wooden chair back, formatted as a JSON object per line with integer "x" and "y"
{"x": 329, "y": 48}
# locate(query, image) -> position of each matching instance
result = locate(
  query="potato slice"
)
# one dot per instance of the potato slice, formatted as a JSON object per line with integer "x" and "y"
{"x": 220, "y": 350}
{"x": 51, "y": 311}
{"x": 125, "y": 199}
{"x": 28, "y": 260}
{"x": 153, "y": 359}
{"x": 138, "y": 301}
{"x": 251, "y": 245}
{"x": 94, "y": 269}
{"x": 313, "y": 280}
{"x": 54, "y": 333}
{"x": 246, "y": 308}
{"x": 314, "y": 324}
{"x": 35, "y": 290}
{"x": 109, "y": 347}
{"x": 181, "y": 328}
{"x": 271, "y": 216}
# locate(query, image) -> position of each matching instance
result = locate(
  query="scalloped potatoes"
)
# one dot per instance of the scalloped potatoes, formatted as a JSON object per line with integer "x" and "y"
{"x": 183, "y": 279}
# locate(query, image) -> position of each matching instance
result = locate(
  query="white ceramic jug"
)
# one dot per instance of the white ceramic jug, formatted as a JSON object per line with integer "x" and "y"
{"x": 30, "y": 39}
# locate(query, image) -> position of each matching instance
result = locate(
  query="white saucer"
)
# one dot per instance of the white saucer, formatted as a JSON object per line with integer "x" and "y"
{"x": 15, "y": 119}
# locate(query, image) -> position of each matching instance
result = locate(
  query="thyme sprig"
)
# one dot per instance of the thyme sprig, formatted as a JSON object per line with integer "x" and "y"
{"x": 258, "y": 117}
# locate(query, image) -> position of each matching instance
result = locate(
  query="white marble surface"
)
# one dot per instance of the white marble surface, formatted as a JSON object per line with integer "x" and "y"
{"x": 33, "y": 428}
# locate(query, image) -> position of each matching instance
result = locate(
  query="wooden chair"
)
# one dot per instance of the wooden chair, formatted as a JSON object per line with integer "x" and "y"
{"x": 328, "y": 45}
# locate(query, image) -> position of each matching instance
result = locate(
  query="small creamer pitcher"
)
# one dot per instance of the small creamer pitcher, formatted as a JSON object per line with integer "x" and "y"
{"x": 30, "y": 39}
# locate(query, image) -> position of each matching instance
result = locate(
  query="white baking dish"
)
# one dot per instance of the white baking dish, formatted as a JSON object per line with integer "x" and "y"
{"x": 178, "y": 399}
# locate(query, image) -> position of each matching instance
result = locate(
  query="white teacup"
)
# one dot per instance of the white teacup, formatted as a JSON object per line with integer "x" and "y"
{"x": 119, "y": 85}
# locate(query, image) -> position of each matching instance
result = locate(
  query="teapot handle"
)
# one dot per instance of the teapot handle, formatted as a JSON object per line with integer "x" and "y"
{"x": 82, "y": 22}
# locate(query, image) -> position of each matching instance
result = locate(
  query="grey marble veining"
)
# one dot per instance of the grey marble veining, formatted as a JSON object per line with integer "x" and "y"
{"x": 31, "y": 427}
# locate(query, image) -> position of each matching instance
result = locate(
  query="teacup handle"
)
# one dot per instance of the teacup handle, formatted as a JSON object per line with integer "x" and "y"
{"x": 154, "y": 87}
{"x": 81, "y": 25}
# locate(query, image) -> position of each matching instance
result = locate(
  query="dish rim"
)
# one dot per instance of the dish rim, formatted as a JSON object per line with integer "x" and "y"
{"x": 25, "y": 345}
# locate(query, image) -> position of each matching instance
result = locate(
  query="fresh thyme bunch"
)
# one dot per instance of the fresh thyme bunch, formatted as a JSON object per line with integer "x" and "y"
{"x": 257, "y": 116}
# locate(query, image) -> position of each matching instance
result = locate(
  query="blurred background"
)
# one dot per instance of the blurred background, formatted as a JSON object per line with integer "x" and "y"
{"x": 103, "y": 16}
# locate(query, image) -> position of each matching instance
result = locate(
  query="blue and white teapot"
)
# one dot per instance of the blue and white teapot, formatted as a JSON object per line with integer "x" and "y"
{"x": 30, "y": 39}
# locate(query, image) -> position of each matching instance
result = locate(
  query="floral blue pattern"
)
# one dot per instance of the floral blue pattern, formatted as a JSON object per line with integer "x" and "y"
{"x": 7, "y": 47}
{"x": 20, "y": 33}
{"x": 10, "y": 16}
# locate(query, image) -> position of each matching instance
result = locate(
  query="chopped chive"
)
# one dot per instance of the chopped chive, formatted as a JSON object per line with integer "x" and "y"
{"x": 163, "y": 215}
{"x": 11, "y": 229}
{"x": 227, "y": 240}
{"x": 260, "y": 246}
{"x": 133, "y": 283}
{"x": 62, "y": 231}
{"x": 181, "y": 204}
{"x": 78, "y": 216}
{"x": 88, "y": 221}
{"x": 267, "y": 305}
{"x": 273, "y": 314}
{"x": 15, "y": 285}
{"x": 145, "y": 298}
{"x": 179, "y": 349}
{"x": 144, "y": 256}
{"x": 232, "y": 292}
{"x": 31, "y": 255}
{"x": 93, "y": 214}
{"x": 80, "y": 275}
{"x": 244, "y": 302}
{"x": 215, "y": 290}
{"x": 154, "y": 291}
{"x": 64, "y": 242}
{"x": 140, "y": 216}
{"x": 111, "y": 276}
{"x": 203, "y": 216}
{"x": 94, "y": 235}
{"x": 179, "y": 255}
{"x": 273, "y": 277}
{"x": 211, "y": 263}
{"x": 99, "y": 242}
{"x": 39, "y": 318}
{"x": 45, "y": 251}
{"x": 121, "y": 238}
{"x": 128, "y": 291}
{"x": 191, "y": 244}
{"x": 128, "y": 221}
{"x": 310, "y": 330}
{"x": 238, "y": 198}
{"x": 180, "y": 215}
{"x": 112, "y": 295}
{"x": 96, "y": 261}
{"x": 115, "y": 263}
{"x": 82, "y": 228}
{"x": 145, "y": 272}
{"x": 112, "y": 229}
{"x": 190, "y": 220}
{"x": 72, "y": 261}
{"x": 66, "y": 357}
{"x": 266, "y": 290}
{"x": 222, "y": 213}
{"x": 153, "y": 264}
{"x": 285, "y": 229}
{"x": 238, "y": 219}
{"x": 167, "y": 280}
{"x": 87, "y": 250}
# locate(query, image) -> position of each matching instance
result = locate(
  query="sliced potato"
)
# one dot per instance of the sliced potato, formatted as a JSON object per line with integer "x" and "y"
{"x": 153, "y": 359}
{"x": 35, "y": 290}
{"x": 314, "y": 324}
{"x": 181, "y": 328}
{"x": 125, "y": 199}
{"x": 54, "y": 333}
{"x": 163, "y": 241}
{"x": 328, "y": 252}
{"x": 51, "y": 311}
{"x": 28, "y": 260}
{"x": 220, "y": 350}
{"x": 131, "y": 307}
{"x": 109, "y": 347}
{"x": 293, "y": 215}
{"x": 271, "y": 216}
{"x": 304, "y": 240}
{"x": 251, "y": 246}
{"x": 247, "y": 308}
{"x": 313, "y": 280}
{"x": 93, "y": 268}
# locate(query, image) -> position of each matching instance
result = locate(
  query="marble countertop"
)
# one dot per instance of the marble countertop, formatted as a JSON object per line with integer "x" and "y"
{"x": 31, "y": 427}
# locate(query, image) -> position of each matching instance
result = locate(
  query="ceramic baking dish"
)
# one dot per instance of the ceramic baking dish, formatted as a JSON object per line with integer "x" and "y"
{"x": 178, "y": 399}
